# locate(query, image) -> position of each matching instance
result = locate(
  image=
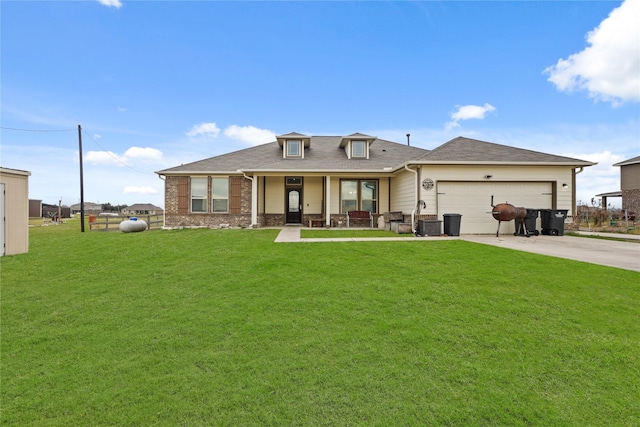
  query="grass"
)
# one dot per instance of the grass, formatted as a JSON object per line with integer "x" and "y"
{"x": 225, "y": 327}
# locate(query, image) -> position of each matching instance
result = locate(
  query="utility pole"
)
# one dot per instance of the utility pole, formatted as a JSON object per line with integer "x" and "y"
{"x": 81, "y": 181}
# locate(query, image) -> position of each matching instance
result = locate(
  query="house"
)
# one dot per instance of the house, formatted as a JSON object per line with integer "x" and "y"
{"x": 142, "y": 209}
{"x": 299, "y": 178}
{"x": 14, "y": 211}
{"x": 630, "y": 184}
{"x": 89, "y": 208}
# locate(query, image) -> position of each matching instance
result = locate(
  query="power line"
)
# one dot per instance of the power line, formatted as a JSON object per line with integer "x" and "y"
{"x": 112, "y": 156}
{"x": 36, "y": 130}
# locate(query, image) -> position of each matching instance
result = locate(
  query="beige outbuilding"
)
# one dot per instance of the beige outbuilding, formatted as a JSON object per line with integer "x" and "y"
{"x": 14, "y": 211}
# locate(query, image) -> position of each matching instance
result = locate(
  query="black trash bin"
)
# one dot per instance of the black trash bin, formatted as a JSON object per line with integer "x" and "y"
{"x": 452, "y": 224}
{"x": 529, "y": 223}
{"x": 428, "y": 227}
{"x": 552, "y": 221}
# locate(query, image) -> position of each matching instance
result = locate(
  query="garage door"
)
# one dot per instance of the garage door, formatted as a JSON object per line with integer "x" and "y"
{"x": 473, "y": 201}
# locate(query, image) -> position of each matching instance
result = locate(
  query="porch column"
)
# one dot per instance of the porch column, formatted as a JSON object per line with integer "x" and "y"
{"x": 327, "y": 201}
{"x": 254, "y": 201}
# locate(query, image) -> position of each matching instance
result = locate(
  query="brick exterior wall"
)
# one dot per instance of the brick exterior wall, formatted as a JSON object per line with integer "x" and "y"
{"x": 631, "y": 200}
{"x": 212, "y": 220}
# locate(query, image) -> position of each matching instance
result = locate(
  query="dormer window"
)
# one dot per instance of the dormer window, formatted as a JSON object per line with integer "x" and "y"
{"x": 359, "y": 149}
{"x": 294, "y": 145}
{"x": 357, "y": 145}
{"x": 294, "y": 148}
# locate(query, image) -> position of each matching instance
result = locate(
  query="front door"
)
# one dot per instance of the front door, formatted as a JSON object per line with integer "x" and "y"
{"x": 294, "y": 206}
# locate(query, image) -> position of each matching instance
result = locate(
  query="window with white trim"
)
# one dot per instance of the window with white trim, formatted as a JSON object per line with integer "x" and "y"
{"x": 199, "y": 194}
{"x": 220, "y": 194}
{"x": 359, "y": 149}
{"x": 294, "y": 148}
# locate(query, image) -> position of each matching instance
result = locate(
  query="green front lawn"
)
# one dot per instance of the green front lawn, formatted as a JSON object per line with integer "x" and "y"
{"x": 225, "y": 327}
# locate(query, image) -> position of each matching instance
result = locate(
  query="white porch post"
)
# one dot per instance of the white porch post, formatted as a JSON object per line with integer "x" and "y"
{"x": 327, "y": 202}
{"x": 254, "y": 201}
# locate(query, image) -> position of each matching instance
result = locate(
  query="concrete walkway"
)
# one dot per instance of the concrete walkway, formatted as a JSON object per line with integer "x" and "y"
{"x": 625, "y": 255}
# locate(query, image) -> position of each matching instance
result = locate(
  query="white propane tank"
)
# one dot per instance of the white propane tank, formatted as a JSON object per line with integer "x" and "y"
{"x": 132, "y": 225}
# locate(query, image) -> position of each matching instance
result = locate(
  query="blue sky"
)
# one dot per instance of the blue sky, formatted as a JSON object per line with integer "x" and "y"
{"x": 157, "y": 84}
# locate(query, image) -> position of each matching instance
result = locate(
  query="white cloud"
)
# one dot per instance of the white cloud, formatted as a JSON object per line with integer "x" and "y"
{"x": 247, "y": 134}
{"x": 467, "y": 112}
{"x": 111, "y": 3}
{"x": 209, "y": 130}
{"x": 140, "y": 153}
{"x": 134, "y": 153}
{"x": 104, "y": 158}
{"x": 147, "y": 189}
{"x": 250, "y": 134}
{"x": 609, "y": 69}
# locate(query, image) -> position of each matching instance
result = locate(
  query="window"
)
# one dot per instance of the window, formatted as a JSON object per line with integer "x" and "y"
{"x": 198, "y": 194}
{"x": 349, "y": 196}
{"x": 220, "y": 194}
{"x": 359, "y": 195}
{"x": 369, "y": 196}
{"x": 294, "y": 148}
{"x": 294, "y": 181}
{"x": 358, "y": 149}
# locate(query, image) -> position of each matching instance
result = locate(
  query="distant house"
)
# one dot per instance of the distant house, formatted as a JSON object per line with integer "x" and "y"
{"x": 14, "y": 211}
{"x": 630, "y": 184}
{"x": 299, "y": 179}
{"x": 89, "y": 208}
{"x": 142, "y": 209}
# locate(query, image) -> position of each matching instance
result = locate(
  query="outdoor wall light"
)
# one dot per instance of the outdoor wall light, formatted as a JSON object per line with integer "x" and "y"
{"x": 488, "y": 176}
{"x": 565, "y": 185}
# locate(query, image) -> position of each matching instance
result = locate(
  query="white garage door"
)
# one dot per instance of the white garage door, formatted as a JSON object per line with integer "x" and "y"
{"x": 473, "y": 201}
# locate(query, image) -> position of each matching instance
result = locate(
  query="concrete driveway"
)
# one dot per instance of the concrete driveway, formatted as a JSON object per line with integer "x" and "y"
{"x": 625, "y": 255}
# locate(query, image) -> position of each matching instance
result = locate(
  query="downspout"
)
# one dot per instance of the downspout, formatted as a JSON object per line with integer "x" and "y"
{"x": 415, "y": 204}
{"x": 164, "y": 212}
{"x": 254, "y": 198}
{"x": 573, "y": 191}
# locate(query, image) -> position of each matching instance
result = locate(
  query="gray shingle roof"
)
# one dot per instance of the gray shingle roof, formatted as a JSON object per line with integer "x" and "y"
{"x": 466, "y": 150}
{"x": 325, "y": 155}
{"x": 143, "y": 207}
{"x": 632, "y": 161}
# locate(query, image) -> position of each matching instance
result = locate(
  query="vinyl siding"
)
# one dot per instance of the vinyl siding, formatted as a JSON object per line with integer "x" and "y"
{"x": 630, "y": 177}
{"x": 274, "y": 189}
{"x": 312, "y": 195}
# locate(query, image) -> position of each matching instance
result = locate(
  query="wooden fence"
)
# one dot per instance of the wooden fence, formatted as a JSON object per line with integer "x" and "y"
{"x": 112, "y": 223}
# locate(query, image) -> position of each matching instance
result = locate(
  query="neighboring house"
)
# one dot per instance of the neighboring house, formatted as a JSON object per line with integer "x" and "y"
{"x": 142, "y": 209}
{"x": 630, "y": 184}
{"x": 89, "y": 208}
{"x": 14, "y": 211}
{"x": 298, "y": 178}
